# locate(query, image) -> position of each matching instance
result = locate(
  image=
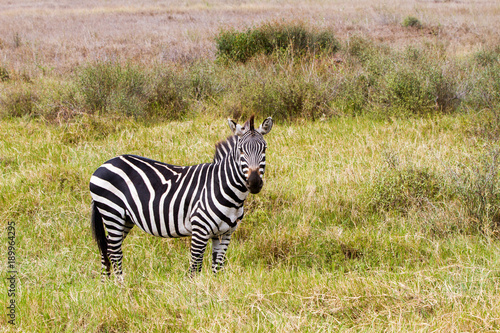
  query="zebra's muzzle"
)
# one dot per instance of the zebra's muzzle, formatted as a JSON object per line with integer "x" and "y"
{"x": 254, "y": 182}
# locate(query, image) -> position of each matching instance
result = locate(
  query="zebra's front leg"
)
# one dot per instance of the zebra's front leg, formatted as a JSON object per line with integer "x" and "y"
{"x": 219, "y": 248}
{"x": 199, "y": 242}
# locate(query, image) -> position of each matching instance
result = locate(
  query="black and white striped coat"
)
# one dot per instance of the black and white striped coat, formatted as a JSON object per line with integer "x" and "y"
{"x": 204, "y": 201}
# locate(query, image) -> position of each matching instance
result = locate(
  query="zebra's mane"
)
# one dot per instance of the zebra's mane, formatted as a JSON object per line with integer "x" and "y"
{"x": 222, "y": 148}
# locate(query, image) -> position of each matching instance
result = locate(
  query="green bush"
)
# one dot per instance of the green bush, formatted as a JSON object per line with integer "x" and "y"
{"x": 110, "y": 87}
{"x": 411, "y": 21}
{"x": 19, "y": 103}
{"x": 166, "y": 99}
{"x": 444, "y": 90}
{"x": 273, "y": 37}
{"x": 380, "y": 81}
{"x": 202, "y": 82}
{"x": 360, "y": 48}
{"x": 132, "y": 91}
{"x": 487, "y": 56}
{"x": 286, "y": 95}
{"x": 404, "y": 93}
{"x": 4, "y": 74}
{"x": 352, "y": 97}
{"x": 241, "y": 46}
{"x": 418, "y": 89}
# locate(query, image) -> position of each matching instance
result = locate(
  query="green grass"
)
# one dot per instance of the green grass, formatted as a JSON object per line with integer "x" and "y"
{"x": 312, "y": 254}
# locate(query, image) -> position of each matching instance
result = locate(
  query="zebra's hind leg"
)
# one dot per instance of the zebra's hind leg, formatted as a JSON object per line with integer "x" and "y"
{"x": 105, "y": 267}
{"x": 116, "y": 236}
{"x": 219, "y": 248}
{"x": 97, "y": 226}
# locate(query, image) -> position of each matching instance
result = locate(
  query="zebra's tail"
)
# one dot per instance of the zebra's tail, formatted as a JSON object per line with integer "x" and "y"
{"x": 99, "y": 234}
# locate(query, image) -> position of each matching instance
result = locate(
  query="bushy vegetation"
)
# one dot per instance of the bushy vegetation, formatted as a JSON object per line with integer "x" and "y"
{"x": 130, "y": 90}
{"x": 20, "y": 103}
{"x": 477, "y": 185}
{"x": 294, "y": 39}
{"x": 365, "y": 78}
{"x": 411, "y": 21}
{"x": 4, "y": 74}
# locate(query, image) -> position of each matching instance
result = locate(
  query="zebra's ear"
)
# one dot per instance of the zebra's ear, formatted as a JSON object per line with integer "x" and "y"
{"x": 266, "y": 126}
{"x": 235, "y": 128}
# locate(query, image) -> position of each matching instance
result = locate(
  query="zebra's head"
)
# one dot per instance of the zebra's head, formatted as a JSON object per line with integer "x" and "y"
{"x": 251, "y": 151}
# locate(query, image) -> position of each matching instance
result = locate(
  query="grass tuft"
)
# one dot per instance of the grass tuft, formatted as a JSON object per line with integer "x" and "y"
{"x": 478, "y": 188}
{"x": 4, "y": 74}
{"x": 402, "y": 190}
{"x": 19, "y": 103}
{"x": 411, "y": 22}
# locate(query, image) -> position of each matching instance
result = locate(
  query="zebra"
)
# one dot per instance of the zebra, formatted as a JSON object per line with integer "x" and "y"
{"x": 204, "y": 201}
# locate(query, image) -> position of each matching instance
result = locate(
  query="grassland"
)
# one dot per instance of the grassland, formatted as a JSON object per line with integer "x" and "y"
{"x": 381, "y": 204}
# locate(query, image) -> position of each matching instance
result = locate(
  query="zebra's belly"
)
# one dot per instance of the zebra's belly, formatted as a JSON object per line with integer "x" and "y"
{"x": 180, "y": 225}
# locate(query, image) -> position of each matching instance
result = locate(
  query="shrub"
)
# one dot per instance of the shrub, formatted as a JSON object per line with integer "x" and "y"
{"x": 420, "y": 88}
{"x": 166, "y": 99}
{"x": 4, "y": 74}
{"x": 273, "y": 37}
{"x": 285, "y": 95}
{"x": 487, "y": 57}
{"x": 111, "y": 87}
{"x": 132, "y": 91}
{"x": 360, "y": 48}
{"x": 443, "y": 87}
{"x": 241, "y": 46}
{"x": 202, "y": 82}
{"x": 405, "y": 93}
{"x": 353, "y": 94}
{"x": 19, "y": 104}
{"x": 411, "y": 21}
{"x": 489, "y": 87}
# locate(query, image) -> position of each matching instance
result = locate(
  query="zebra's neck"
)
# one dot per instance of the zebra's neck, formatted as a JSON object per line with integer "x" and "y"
{"x": 226, "y": 157}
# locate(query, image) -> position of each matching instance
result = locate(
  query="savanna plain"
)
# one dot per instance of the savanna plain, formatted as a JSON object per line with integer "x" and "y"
{"x": 381, "y": 204}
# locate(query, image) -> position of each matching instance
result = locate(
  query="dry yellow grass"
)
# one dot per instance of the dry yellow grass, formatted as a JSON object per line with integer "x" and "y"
{"x": 42, "y": 37}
